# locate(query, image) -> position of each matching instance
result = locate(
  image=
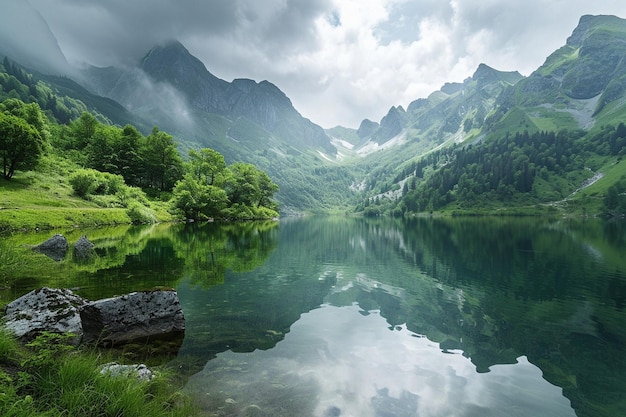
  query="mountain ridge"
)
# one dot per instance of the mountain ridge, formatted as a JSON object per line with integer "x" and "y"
{"x": 580, "y": 86}
{"x": 262, "y": 102}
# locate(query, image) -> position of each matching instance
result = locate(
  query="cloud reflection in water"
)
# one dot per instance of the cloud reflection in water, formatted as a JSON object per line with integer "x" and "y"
{"x": 337, "y": 361}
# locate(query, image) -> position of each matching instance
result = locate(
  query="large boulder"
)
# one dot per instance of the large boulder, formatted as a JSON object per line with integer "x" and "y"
{"x": 56, "y": 247}
{"x": 45, "y": 310}
{"x": 131, "y": 317}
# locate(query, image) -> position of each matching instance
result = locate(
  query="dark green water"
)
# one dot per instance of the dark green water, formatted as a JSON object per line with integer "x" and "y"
{"x": 350, "y": 317}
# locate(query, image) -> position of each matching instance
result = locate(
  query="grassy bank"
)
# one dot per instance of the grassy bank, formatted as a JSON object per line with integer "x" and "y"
{"x": 51, "y": 378}
{"x": 44, "y": 199}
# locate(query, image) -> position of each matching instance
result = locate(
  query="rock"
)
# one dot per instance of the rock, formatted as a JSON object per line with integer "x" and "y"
{"x": 141, "y": 371}
{"x": 45, "y": 310}
{"x": 55, "y": 247}
{"x": 135, "y": 316}
{"x": 83, "y": 248}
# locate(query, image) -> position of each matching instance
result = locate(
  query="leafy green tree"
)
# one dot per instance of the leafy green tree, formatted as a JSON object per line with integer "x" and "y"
{"x": 30, "y": 112}
{"x": 207, "y": 165}
{"x": 250, "y": 192}
{"x": 196, "y": 199}
{"x": 83, "y": 129}
{"x": 242, "y": 184}
{"x": 163, "y": 165}
{"x": 21, "y": 145}
{"x": 101, "y": 155}
{"x": 127, "y": 148}
{"x": 267, "y": 189}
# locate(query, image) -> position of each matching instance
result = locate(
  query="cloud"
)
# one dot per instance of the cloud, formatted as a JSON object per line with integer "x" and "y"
{"x": 340, "y": 61}
{"x": 35, "y": 47}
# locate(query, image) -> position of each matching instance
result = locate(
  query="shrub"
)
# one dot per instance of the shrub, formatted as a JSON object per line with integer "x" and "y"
{"x": 112, "y": 183}
{"x": 127, "y": 195}
{"x": 140, "y": 214}
{"x": 84, "y": 182}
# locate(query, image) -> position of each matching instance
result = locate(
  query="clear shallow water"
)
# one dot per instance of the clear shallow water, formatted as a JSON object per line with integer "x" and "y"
{"x": 350, "y": 317}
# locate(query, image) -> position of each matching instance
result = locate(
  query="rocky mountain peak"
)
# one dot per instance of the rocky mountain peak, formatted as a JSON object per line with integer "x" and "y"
{"x": 588, "y": 24}
{"x": 367, "y": 128}
{"x": 485, "y": 74}
{"x": 391, "y": 125}
{"x": 173, "y": 62}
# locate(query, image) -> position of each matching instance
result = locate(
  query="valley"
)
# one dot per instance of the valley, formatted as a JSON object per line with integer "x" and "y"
{"x": 578, "y": 93}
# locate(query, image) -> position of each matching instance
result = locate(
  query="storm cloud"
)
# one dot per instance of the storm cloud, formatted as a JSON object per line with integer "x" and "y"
{"x": 339, "y": 61}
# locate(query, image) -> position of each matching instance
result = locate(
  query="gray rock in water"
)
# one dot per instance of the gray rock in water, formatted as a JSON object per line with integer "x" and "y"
{"x": 83, "y": 248}
{"x": 45, "y": 310}
{"x": 55, "y": 247}
{"x": 135, "y": 316}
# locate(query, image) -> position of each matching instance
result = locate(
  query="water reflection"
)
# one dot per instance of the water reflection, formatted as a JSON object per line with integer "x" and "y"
{"x": 337, "y": 362}
{"x": 494, "y": 292}
{"x": 337, "y": 316}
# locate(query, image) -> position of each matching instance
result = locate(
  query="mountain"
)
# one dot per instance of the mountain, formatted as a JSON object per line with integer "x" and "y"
{"x": 581, "y": 87}
{"x": 244, "y": 120}
{"x": 578, "y": 86}
{"x": 171, "y": 70}
{"x": 452, "y": 114}
{"x": 538, "y": 139}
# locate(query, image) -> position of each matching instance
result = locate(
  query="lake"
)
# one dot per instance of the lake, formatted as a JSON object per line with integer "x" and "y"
{"x": 333, "y": 316}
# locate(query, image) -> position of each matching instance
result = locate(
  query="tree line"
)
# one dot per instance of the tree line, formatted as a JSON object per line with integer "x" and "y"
{"x": 115, "y": 159}
{"x": 521, "y": 168}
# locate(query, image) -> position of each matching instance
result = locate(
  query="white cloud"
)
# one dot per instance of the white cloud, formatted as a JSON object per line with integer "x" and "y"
{"x": 339, "y": 61}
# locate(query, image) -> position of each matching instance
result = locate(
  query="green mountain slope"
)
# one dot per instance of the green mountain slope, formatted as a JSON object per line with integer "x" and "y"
{"x": 62, "y": 98}
{"x": 581, "y": 85}
{"x": 489, "y": 146}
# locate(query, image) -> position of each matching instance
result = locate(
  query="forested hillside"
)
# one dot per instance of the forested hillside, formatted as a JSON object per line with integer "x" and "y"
{"x": 46, "y": 141}
{"x": 516, "y": 172}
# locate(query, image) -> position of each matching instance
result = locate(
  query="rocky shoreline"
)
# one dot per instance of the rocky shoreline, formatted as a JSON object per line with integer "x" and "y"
{"x": 132, "y": 317}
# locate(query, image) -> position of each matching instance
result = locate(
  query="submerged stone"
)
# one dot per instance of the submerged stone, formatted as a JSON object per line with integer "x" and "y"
{"x": 83, "y": 248}
{"x": 56, "y": 247}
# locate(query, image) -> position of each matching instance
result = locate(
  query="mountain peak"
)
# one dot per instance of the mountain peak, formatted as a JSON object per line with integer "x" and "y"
{"x": 485, "y": 75}
{"x": 171, "y": 61}
{"x": 588, "y": 24}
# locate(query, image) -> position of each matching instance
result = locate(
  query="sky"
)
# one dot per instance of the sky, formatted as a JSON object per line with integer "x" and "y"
{"x": 339, "y": 61}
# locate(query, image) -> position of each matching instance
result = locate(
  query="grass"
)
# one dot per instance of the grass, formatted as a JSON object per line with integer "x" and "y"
{"x": 552, "y": 120}
{"x": 613, "y": 170}
{"x": 44, "y": 199}
{"x": 559, "y": 58}
{"x": 51, "y": 378}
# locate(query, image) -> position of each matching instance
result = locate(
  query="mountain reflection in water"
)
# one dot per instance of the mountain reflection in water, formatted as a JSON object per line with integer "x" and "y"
{"x": 341, "y": 316}
{"x": 336, "y": 361}
{"x": 481, "y": 316}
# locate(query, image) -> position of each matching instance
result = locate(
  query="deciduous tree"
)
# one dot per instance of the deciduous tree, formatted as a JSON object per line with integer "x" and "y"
{"x": 21, "y": 145}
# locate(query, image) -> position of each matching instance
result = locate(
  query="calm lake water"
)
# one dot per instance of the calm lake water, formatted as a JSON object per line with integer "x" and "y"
{"x": 355, "y": 317}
